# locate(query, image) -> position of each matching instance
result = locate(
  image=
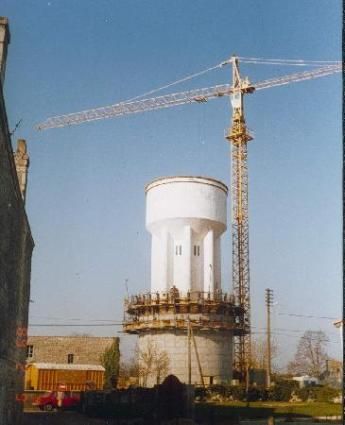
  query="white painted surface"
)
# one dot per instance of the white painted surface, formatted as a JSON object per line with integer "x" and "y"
{"x": 186, "y": 217}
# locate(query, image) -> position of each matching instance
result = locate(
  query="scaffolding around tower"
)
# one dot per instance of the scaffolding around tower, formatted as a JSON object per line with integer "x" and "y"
{"x": 172, "y": 310}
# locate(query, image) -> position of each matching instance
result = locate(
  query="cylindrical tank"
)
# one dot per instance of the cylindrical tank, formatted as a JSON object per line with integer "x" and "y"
{"x": 186, "y": 217}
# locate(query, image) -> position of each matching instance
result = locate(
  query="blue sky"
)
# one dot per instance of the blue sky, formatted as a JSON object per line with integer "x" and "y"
{"x": 85, "y": 198}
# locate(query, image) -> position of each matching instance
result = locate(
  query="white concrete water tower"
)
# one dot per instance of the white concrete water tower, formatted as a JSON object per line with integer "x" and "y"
{"x": 186, "y": 217}
{"x": 186, "y": 314}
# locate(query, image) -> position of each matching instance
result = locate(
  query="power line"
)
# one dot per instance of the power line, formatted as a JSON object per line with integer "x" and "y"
{"x": 308, "y": 316}
{"x": 293, "y": 336}
{"x": 53, "y": 325}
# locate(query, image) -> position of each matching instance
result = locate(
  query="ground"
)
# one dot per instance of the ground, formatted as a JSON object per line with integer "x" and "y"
{"x": 217, "y": 414}
{"x": 229, "y": 410}
{"x": 63, "y": 418}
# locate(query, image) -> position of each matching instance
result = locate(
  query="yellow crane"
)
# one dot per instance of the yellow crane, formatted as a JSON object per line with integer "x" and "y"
{"x": 238, "y": 136}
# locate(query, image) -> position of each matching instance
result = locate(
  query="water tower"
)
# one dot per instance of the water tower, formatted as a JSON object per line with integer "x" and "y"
{"x": 186, "y": 314}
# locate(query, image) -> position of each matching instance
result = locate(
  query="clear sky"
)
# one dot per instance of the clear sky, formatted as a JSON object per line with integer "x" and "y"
{"x": 85, "y": 198}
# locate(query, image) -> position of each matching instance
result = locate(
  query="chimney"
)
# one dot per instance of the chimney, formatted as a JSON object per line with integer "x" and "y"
{"x": 21, "y": 159}
{"x": 4, "y": 42}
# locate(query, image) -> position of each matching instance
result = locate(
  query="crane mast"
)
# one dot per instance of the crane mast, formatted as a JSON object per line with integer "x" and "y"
{"x": 239, "y": 136}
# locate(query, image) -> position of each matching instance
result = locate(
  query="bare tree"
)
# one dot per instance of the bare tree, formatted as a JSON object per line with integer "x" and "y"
{"x": 311, "y": 355}
{"x": 161, "y": 365}
{"x": 259, "y": 353}
{"x": 153, "y": 362}
{"x": 129, "y": 368}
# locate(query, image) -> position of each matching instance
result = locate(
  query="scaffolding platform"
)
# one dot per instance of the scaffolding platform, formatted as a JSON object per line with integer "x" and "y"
{"x": 174, "y": 311}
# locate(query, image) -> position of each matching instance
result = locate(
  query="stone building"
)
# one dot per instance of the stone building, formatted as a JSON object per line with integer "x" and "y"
{"x": 85, "y": 350}
{"x": 16, "y": 245}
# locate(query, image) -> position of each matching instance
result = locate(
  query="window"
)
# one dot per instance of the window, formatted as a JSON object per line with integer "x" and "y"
{"x": 178, "y": 250}
{"x": 70, "y": 358}
{"x": 29, "y": 351}
{"x": 196, "y": 250}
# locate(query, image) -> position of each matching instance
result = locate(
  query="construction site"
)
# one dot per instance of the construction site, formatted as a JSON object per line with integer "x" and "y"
{"x": 191, "y": 260}
{"x": 186, "y": 303}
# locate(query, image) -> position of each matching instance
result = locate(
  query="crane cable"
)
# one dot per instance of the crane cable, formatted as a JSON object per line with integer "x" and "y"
{"x": 182, "y": 80}
{"x": 248, "y": 60}
{"x": 287, "y": 62}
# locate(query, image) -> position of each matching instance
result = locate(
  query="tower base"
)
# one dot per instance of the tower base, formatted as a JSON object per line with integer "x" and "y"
{"x": 214, "y": 349}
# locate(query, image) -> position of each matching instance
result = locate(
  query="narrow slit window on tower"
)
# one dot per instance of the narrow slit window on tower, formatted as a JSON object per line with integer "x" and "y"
{"x": 178, "y": 250}
{"x": 196, "y": 250}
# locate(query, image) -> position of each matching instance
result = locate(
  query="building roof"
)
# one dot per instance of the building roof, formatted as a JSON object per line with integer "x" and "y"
{"x": 65, "y": 366}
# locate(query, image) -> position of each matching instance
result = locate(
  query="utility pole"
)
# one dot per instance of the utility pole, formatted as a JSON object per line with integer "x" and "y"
{"x": 197, "y": 356}
{"x": 269, "y": 302}
{"x": 189, "y": 353}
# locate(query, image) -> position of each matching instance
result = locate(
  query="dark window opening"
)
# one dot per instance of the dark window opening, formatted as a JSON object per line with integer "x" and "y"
{"x": 70, "y": 358}
{"x": 196, "y": 250}
{"x": 29, "y": 351}
{"x": 178, "y": 250}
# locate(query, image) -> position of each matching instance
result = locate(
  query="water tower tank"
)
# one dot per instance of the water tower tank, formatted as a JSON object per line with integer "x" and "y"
{"x": 186, "y": 217}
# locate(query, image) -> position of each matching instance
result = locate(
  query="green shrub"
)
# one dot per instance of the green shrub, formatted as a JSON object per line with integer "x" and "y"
{"x": 282, "y": 390}
{"x": 303, "y": 393}
{"x": 318, "y": 393}
{"x": 237, "y": 392}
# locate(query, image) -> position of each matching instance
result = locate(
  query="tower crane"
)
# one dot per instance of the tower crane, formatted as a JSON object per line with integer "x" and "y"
{"x": 238, "y": 136}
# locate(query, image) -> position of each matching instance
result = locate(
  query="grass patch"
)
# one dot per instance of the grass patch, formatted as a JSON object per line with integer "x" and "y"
{"x": 257, "y": 410}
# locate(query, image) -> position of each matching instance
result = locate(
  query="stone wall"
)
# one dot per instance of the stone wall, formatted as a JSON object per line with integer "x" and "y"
{"x": 16, "y": 246}
{"x": 55, "y": 349}
{"x": 214, "y": 349}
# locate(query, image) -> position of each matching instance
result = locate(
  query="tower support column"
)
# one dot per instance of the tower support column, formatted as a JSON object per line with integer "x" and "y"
{"x": 186, "y": 284}
{"x": 209, "y": 262}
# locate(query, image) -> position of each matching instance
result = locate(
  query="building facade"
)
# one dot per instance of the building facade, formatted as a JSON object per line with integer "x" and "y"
{"x": 82, "y": 350}
{"x": 16, "y": 245}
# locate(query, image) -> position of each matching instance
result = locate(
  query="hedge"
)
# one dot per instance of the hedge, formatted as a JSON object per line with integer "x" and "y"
{"x": 281, "y": 391}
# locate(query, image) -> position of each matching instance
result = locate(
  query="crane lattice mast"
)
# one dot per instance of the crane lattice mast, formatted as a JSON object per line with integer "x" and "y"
{"x": 239, "y": 136}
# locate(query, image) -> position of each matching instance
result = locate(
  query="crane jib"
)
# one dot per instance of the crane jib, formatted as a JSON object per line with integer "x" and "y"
{"x": 175, "y": 99}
